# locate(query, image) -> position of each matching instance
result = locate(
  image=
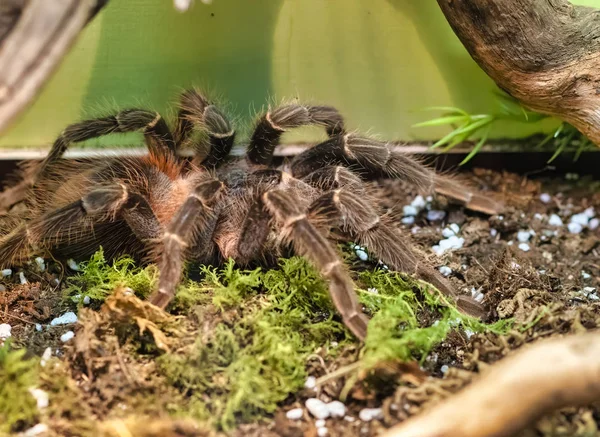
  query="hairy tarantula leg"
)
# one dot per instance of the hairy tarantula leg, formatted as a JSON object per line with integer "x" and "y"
{"x": 196, "y": 111}
{"x": 354, "y": 214}
{"x": 375, "y": 159}
{"x": 180, "y": 234}
{"x": 98, "y": 205}
{"x": 157, "y": 134}
{"x": 155, "y": 130}
{"x": 309, "y": 241}
{"x": 274, "y": 123}
{"x": 255, "y": 230}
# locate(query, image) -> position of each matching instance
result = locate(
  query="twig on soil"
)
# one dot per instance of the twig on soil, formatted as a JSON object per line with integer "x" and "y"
{"x": 515, "y": 392}
{"x": 338, "y": 373}
{"x": 7, "y": 314}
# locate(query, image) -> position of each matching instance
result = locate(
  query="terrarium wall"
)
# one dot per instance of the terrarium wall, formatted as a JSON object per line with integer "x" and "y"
{"x": 379, "y": 61}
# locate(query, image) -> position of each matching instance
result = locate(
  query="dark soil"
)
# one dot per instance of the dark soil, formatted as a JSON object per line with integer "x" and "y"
{"x": 547, "y": 290}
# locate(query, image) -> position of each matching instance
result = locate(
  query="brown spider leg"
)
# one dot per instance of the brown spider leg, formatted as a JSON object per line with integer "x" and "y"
{"x": 99, "y": 205}
{"x": 158, "y": 137}
{"x": 310, "y": 242}
{"x": 274, "y": 123}
{"x": 181, "y": 233}
{"x": 196, "y": 111}
{"x": 349, "y": 208}
{"x": 375, "y": 159}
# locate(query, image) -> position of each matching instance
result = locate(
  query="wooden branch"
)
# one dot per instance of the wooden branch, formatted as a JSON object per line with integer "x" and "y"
{"x": 516, "y": 391}
{"x": 34, "y": 37}
{"x": 545, "y": 53}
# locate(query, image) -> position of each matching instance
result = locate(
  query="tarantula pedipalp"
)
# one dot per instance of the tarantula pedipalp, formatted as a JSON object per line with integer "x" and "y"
{"x": 169, "y": 210}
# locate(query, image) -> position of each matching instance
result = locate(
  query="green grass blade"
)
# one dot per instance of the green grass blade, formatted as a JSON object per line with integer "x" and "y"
{"x": 457, "y": 140}
{"x": 444, "y": 140}
{"x": 477, "y": 147}
{"x": 443, "y": 120}
{"x": 473, "y": 127}
{"x": 563, "y": 144}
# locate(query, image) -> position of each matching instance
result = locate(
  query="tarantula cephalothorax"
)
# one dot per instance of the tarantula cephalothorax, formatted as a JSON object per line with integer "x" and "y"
{"x": 216, "y": 207}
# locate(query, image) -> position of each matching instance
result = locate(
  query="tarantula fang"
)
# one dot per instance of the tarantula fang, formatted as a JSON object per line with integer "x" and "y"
{"x": 169, "y": 210}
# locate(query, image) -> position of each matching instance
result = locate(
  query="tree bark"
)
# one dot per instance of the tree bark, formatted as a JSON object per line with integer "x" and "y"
{"x": 545, "y": 53}
{"x": 34, "y": 37}
{"x": 516, "y": 391}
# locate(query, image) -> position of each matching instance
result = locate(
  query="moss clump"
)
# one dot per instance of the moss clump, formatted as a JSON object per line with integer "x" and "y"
{"x": 244, "y": 346}
{"x": 246, "y": 366}
{"x": 98, "y": 278}
{"x": 18, "y": 407}
{"x": 397, "y": 330}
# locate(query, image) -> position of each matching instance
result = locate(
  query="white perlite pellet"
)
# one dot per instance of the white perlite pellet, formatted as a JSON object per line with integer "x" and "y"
{"x": 5, "y": 332}
{"x": 336, "y": 409}
{"x": 524, "y": 247}
{"x": 66, "y": 319}
{"x": 435, "y": 215}
{"x": 581, "y": 219}
{"x": 41, "y": 397}
{"x": 555, "y": 220}
{"x": 41, "y": 264}
{"x": 448, "y": 244}
{"x": 46, "y": 356}
{"x": 73, "y": 265}
{"x": 322, "y": 432}
{"x": 368, "y": 414}
{"x": 451, "y": 230}
{"x": 310, "y": 382}
{"x": 37, "y": 430}
{"x": 67, "y": 336}
{"x": 410, "y": 220}
{"x": 409, "y": 211}
{"x": 418, "y": 202}
{"x": 294, "y": 414}
{"x": 524, "y": 236}
{"x": 445, "y": 271}
{"x": 545, "y": 197}
{"x": 317, "y": 408}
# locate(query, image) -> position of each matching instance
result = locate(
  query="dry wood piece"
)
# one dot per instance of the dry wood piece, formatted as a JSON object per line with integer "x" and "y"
{"x": 34, "y": 37}
{"x": 544, "y": 53}
{"x": 515, "y": 392}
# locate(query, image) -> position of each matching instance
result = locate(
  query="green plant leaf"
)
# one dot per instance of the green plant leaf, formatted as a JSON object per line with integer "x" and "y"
{"x": 477, "y": 147}
{"x": 444, "y": 120}
{"x": 448, "y": 109}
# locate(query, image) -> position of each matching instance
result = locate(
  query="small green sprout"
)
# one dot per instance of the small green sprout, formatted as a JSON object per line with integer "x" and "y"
{"x": 466, "y": 126}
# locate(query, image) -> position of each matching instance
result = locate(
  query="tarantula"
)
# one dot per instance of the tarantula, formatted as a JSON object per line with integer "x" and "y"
{"x": 214, "y": 207}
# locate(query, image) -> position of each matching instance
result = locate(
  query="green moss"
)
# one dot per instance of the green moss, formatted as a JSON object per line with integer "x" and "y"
{"x": 250, "y": 332}
{"x": 18, "y": 407}
{"x": 243, "y": 369}
{"x": 98, "y": 278}
{"x": 397, "y": 332}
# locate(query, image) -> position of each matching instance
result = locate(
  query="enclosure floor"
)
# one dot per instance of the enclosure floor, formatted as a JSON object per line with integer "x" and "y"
{"x": 560, "y": 269}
